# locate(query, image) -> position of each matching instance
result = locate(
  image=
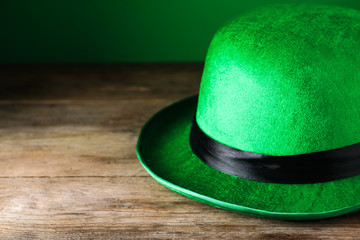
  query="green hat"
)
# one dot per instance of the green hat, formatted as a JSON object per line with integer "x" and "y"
{"x": 275, "y": 129}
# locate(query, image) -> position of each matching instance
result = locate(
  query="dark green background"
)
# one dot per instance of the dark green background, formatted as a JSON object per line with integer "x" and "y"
{"x": 117, "y": 31}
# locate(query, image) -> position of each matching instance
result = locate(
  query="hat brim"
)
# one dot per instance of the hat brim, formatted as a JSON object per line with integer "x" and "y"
{"x": 164, "y": 151}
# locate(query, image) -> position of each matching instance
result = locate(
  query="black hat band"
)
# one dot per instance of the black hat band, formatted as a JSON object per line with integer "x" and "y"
{"x": 292, "y": 169}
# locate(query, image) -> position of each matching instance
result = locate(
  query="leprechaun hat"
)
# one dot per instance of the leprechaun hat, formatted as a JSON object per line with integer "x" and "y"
{"x": 275, "y": 129}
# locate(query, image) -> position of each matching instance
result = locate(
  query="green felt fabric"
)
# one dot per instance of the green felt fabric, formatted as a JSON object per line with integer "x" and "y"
{"x": 281, "y": 80}
{"x": 284, "y": 80}
{"x": 163, "y": 148}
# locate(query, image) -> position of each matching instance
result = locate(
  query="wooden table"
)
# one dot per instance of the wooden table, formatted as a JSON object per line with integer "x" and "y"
{"x": 69, "y": 168}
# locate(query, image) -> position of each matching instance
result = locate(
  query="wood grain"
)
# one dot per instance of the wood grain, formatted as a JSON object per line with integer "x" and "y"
{"x": 69, "y": 168}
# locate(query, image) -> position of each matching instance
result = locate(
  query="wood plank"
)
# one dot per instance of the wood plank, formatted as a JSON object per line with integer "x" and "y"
{"x": 69, "y": 168}
{"x": 92, "y": 139}
{"x": 99, "y": 82}
{"x": 137, "y": 207}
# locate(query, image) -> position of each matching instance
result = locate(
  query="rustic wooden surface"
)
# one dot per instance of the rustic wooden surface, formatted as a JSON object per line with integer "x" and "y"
{"x": 68, "y": 167}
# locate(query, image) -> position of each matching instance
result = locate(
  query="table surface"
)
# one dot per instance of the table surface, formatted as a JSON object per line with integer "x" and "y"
{"x": 69, "y": 168}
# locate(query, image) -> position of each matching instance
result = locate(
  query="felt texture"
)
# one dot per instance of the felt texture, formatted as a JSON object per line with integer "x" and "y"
{"x": 280, "y": 80}
{"x": 284, "y": 80}
{"x": 164, "y": 150}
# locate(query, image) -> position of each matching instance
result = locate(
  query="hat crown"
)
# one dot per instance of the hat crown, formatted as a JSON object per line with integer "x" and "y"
{"x": 284, "y": 80}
